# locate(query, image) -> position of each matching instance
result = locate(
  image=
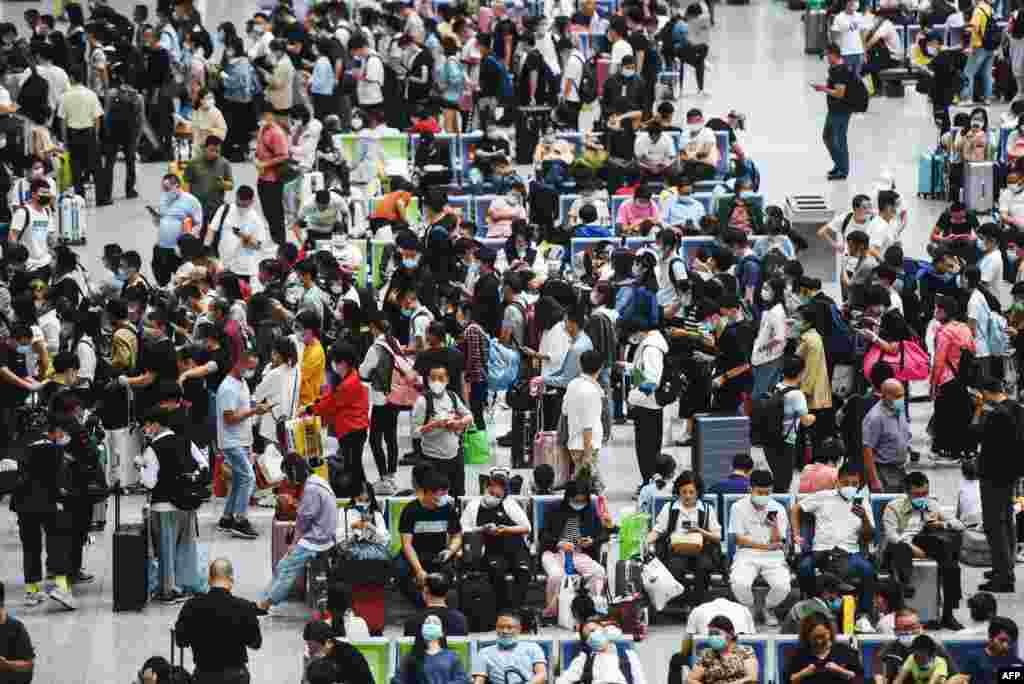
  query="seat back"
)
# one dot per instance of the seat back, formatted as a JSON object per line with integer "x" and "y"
{"x": 871, "y": 649}
{"x": 464, "y": 205}
{"x": 722, "y": 137}
{"x": 546, "y": 645}
{"x": 878, "y": 504}
{"x": 380, "y": 656}
{"x": 961, "y": 651}
{"x": 393, "y": 507}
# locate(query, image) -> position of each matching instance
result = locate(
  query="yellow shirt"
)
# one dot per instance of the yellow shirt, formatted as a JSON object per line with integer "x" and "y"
{"x": 79, "y": 107}
{"x": 314, "y": 373}
{"x": 979, "y": 20}
{"x": 814, "y": 382}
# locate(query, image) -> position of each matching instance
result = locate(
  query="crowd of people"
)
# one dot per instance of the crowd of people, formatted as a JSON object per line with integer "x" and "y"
{"x": 265, "y": 308}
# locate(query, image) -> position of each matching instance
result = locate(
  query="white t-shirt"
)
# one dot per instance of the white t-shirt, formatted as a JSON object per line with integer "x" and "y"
{"x": 368, "y": 89}
{"x": 1011, "y": 203}
{"x": 968, "y": 503}
{"x": 582, "y": 408}
{"x": 686, "y": 515}
{"x": 747, "y": 521}
{"x": 835, "y": 524}
{"x": 882, "y": 234}
{"x": 773, "y": 327}
{"x": 236, "y": 257}
{"x": 554, "y": 343}
{"x": 41, "y": 225}
{"x": 738, "y": 614}
{"x": 991, "y": 267}
{"x": 620, "y": 49}
{"x": 978, "y": 311}
{"x": 573, "y": 73}
{"x": 890, "y": 36}
{"x": 848, "y": 28}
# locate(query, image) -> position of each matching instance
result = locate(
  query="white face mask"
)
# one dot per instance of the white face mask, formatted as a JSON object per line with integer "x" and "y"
{"x": 767, "y": 294}
{"x": 437, "y": 387}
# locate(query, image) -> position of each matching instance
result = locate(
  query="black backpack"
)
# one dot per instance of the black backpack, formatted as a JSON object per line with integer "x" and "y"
{"x": 190, "y": 488}
{"x": 35, "y": 94}
{"x": 664, "y": 37}
{"x": 123, "y": 113}
{"x": 856, "y": 95}
{"x": 674, "y": 382}
{"x": 767, "y": 414}
{"x": 993, "y": 36}
{"x": 587, "y": 87}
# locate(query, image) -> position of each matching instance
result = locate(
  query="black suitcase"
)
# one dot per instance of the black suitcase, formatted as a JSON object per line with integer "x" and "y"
{"x": 477, "y": 601}
{"x": 131, "y": 590}
{"x": 628, "y": 578}
{"x": 529, "y": 126}
{"x": 522, "y": 441}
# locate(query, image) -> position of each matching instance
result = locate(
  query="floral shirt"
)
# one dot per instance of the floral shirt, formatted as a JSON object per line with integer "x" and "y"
{"x": 721, "y": 668}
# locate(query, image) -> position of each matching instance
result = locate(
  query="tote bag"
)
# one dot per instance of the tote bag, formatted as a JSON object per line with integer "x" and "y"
{"x": 910, "y": 362}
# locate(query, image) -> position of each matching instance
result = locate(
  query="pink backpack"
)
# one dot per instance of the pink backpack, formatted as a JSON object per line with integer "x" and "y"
{"x": 406, "y": 385}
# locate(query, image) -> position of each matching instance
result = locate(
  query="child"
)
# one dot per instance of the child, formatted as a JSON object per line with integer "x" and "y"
{"x": 968, "y": 500}
{"x": 664, "y": 470}
{"x": 361, "y": 527}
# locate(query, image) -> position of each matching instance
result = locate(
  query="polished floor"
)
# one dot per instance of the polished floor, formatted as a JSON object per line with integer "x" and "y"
{"x": 759, "y": 69}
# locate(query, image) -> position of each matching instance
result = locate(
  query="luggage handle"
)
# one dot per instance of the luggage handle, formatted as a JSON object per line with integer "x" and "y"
{"x": 181, "y": 650}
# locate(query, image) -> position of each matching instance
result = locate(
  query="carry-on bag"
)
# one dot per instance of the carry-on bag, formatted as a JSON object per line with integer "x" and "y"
{"x": 131, "y": 558}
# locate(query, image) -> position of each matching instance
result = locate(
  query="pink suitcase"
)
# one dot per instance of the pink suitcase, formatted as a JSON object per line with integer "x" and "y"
{"x": 485, "y": 18}
{"x": 281, "y": 538}
{"x": 604, "y": 65}
{"x": 546, "y": 449}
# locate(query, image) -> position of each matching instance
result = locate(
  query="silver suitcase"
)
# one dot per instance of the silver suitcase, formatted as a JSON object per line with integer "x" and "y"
{"x": 979, "y": 190}
{"x": 815, "y": 32}
{"x": 924, "y": 576}
{"x": 716, "y": 440}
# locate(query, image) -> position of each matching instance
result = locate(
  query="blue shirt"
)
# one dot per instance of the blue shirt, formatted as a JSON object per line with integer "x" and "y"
{"x": 983, "y": 668}
{"x": 682, "y": 209}
{"x": 570, "y": 368}
{"x": 734, "y": 484}
{"x": 172, "y": 216}
{"x": 680, "y": 34}
{"x": 233, "y": 395}
{"x": 593, "y": 230}
{"x": 441, "y": 668}
{"x": 324, "y": 79}
{"x": 492, "y": 661}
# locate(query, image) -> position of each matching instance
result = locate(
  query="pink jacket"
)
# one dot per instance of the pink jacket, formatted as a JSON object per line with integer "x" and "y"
{"x": 950, "y": 340}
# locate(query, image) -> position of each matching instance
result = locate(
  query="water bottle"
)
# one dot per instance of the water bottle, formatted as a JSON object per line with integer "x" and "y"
{"x": 90, "y": 195}
{"x": 570, "y": 564}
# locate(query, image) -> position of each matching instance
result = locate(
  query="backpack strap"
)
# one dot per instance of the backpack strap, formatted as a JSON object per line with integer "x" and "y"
{"x": 28, "y": 224}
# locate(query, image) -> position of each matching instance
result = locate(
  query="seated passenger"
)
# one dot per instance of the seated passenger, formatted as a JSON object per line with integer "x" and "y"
{"x": 600, "y": 660}
{"x": 524, "y": 659}
{"x": 323, "y": 644}
{"x": 589, "y": 226}
{"x": 485, "y": 154}
{"x": 738, "y": 481}
{"x": 680, "y": 210}
{"x": 551, "y": 160}
{"x": 740, "y": 212}
{"x": 760, "y": 526}
{"x": 504, "y": 210}
{"x": 362, "y": 531}
{"x": 907, "y": 521}
{"x": 433, "y": 161}
{"x": 998, "y": 655}
{"x": 431, "y": 534}
{"x": 635, "y": 211}
{"x": 699, "y": 156}
{"x": 820, "y": 659}
{"x": 825, "y": 600}
{"x": 435, "y": 595}
{"x": 430, "y": 659}
{"x": 725, "y": 661}
{"x": 571, "y": 542}
{"x": 317, "y": 221}
{"x": 664, "y": 471}
{"x": 591, "y": 194}
{"x": 655, "y": 150}
{"x": 673, "y": 532}
{"x": 506, "y": 531}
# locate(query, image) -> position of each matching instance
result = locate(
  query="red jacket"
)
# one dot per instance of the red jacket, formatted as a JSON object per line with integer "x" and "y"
{"x": 348, "y": 406}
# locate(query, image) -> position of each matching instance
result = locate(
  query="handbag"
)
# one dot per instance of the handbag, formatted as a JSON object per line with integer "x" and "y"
{"x": 911, "y": 362}
{"x": 660, "y": 585}
{"x": 843, "y": 379}
{"x": 518, "y": 398}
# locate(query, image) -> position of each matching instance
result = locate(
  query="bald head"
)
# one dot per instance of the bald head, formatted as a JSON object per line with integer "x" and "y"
{"x": 892, "y": 389}
{"x": 221, "y": 571}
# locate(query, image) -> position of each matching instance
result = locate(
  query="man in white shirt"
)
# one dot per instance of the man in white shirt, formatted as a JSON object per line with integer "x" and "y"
{"x": 241, "y": 230}
{"x": 56, "y": 77}
{"x": 33, "y": 226}
{"x": 370, "y": 79}
{"x": 842, "y": 520}
{"x": 262, "y": 36}
{"x": 571, "y": 77}
{"x": 885, "y": 228}
{"x": 979, "y": 318}
{"x": 1011, "y": 200}
{"x": 759, "y": 524}
{"x": 991, "y": 262}
{"x": 858, "y": 219}
{"x": 620, "y": 47}
{"x": 847, "y": 28}
{"x": 654, "y": 150}
{"x": 582, "y": 406}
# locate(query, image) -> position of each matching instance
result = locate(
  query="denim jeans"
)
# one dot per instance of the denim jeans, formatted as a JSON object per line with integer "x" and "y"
{"x": 172, "y": 529}
{"x": 766, "y": 377}
{"x": 834, "y": 135}
{"x": 243, "y": 481}
{"x": 978, "y": 62}
{"x": 854, "y": 63}
{"x": 286, "y": 572}
{"x": 859, "y": 568}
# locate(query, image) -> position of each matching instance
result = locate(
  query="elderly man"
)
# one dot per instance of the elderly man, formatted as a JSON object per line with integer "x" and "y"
{"x": 886, "y": 440}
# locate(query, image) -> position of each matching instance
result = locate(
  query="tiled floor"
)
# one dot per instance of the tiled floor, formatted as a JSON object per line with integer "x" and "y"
{"x": 760, "y": 69}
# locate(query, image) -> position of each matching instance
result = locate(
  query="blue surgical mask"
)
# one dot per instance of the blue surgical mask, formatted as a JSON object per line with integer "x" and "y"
{"x": 23, "y": 348}
{"x": 848, "y": 492}
{"x": 1011, "y": 258}
{"x": 218, "y": 40}
{"x": 577, "y": 506}
{"x": 408, "y": 312}
{"x": 717, "y": 642}
{"x": 981, "y": 244}
{"x": 411, "y": 263}
{"x": 432, "y": 631}
{"x": 919, "y": 503}
{"x": 362, "y": 506}
{"x": 443, "y": 501}
{"x": 507, "y": 641}
{"x": 897, "y": 405}
{"x": 760, "y": 500}
{"x": 836, "y": 603}
{"x": 597, "y": 640}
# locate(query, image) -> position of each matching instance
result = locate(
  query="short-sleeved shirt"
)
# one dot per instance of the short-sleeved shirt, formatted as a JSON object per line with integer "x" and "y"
{"x": 835, "y": 523}
{"x": 687, "y": 515}
{"x": 453, "y": 622}
{"x": 747, "y": 521}
{"x": 429, "y": 527}
{"x": 991, "y": 267}
{"x": 515, "y": 321}
{"x": 387, "y": 206}
{"x": 233, "y": 395}
{"x": 919, "y": 676}
{"x": 947, "y": 227}
{"x": 887, "y": 434}
{"x": 493, "y": 662}
{"x": 369, "y": 89}
{"x": 794, "y": 407}
{"x": 849, "y": 26}
{"x": 978, "y": 311}
{"x": 15, "y": 644}
{"x": 40, "y": 225}
{"x": 80, "y": 108}
{"x": 983, "y": 668}
{"x": 838, "y": 75}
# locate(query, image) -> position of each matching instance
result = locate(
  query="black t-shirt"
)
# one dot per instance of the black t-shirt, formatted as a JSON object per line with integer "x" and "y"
{"x": 451, "y": 358}
{"x": 502, "y": 28}
{"x": 838, "y": 75}
{"x": 418, "y": 91}
{"x": 490, "y": 77}
{"x": 10, "y": 395}
{"x": 15, "y": 644}
{"x": 947, "y": 227}
{"x": 160, "y": 357}
{"x": 640, "y": 43}
{"x": 453, "y": 621}
{"x": 983, "y": 668}
{"x": 893, "y": 327}
{"x": 840, "y": 654}
{"x": 430, "y": 528}
{"x": 352, "y": 664}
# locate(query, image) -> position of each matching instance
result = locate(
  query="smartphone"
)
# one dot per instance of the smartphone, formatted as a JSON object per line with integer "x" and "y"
{"x": 687, "y": 525}
{"x": 152, "y": 210}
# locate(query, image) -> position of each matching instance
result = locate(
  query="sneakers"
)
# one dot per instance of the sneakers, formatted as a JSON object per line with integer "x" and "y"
{"x": 131, "y": 195}
{"x": 170, "y": 598}
{"x": 34, "y": 599}
{"x": 226, "y": 524}
{"x": 770, "y": 619}
{"x": 83, "y": 578}
{"x": 244, "y": 529}
{"x": 64, "y": 598}
{"x": 385, "y": 486}
{"x": 864, "y": 626}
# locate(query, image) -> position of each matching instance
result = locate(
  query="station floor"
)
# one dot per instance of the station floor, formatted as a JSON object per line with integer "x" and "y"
{"x": 759, "y": 68}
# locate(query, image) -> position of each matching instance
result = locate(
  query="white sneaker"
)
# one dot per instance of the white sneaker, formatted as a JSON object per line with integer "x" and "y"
{"x": 34, "y": 598}
{"x": 864, "y": 626}
{"x": 384, "y": 486}
{"x": 64, "y": 598}
{"x": 770, "y": 620}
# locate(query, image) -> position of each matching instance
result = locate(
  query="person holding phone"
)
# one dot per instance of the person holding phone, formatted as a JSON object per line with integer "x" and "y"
{"x": 837, "y": 122}
{"x": 820, "y": 659}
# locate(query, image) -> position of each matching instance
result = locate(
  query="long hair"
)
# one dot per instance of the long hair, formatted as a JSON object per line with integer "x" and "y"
{"x": 413, "y": 663}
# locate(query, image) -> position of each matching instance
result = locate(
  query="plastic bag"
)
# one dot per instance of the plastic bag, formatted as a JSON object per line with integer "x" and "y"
{"x": 660, "y": 585}
{"x": 633, "y": 530}
{"x": 476, "y": 447}
{"x": 566, "y": 595}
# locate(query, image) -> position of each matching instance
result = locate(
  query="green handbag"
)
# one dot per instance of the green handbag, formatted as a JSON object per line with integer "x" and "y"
{"x": 476, "y": 447}
{"x": 633, "y": 531}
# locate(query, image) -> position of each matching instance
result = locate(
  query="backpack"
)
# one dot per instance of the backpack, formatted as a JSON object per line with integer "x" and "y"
{"x": 856, "y": 95}
{"x": 999, "y": 343}
{"x": 665, "y": 38}
{"x": 34, "y": 95}
{"x": 587, "y": 87}
{"x": 532, "y": 325}
{"x": 643, "y": 311}
{"x": 840, "y": 339}
{"x": 993, "y": 36}
{"x": 673, "y": 384}
{"x": 190, "y": 486}
{"x": 672, "y": 274}
{"x": 104, "y": 371}
{"x": 767, "y": 415}
{"x": 18, "y": 130}
{"x": 502, "y": 366}
{"x": 453, "y": 73}
{"x": 123, "y": 112}
{"x": 506, "y": 86}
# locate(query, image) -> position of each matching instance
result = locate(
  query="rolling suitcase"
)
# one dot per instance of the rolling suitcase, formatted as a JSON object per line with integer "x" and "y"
{"x": 131, "y": 558}
{"x": 978, "y": 192}
{"x": 628, "y": 577}
{"x": 546, "y": 449}
{"x": 815, "y": 31}
{"x": 716, "y": 440}
{"x": 71, "y": 218}
{"x": 522, "y": 453}
{"x": 281, "y": 538}
{"x": 931, "y": 175}
{"x": 368, "y": 603}
{"x": 99, "y": 509}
